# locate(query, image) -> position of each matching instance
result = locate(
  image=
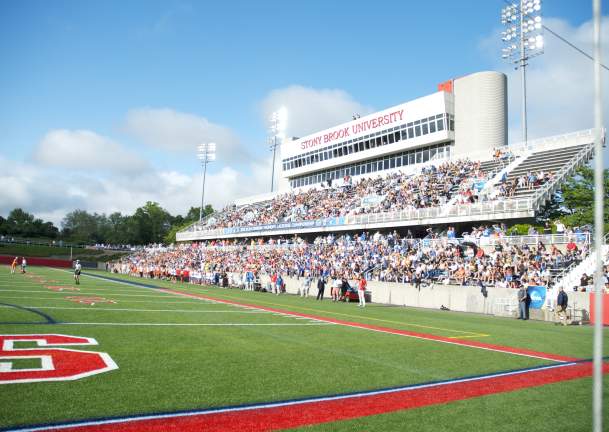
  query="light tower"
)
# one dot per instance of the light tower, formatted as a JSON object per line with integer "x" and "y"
{"x": 206, "y": 153}
{"x": 277, "y": 127}
{"x": 523, "y": 39}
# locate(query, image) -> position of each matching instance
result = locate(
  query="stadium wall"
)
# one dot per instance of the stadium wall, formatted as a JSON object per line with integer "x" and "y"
{"x": 499, "y": 301}
{"x": 33, "y": 261}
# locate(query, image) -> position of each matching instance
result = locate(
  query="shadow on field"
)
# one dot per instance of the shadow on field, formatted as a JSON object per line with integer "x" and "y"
{"x": 47, "y": 318}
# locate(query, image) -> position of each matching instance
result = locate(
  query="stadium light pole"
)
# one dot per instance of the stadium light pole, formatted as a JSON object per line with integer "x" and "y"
{"x": 206, "y": 153}
{"x": 277, "y": 127}
{"x": 599, "y": 227}
{"x": 523, "y": 39}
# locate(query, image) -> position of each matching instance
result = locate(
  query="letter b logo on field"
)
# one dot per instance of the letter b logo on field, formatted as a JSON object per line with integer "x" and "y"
{"x": 56, "y": 364}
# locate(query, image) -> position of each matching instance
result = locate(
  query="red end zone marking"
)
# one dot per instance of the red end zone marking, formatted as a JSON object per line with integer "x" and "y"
{"x": 296, "y": 414}
{"x": 426, "y": 336}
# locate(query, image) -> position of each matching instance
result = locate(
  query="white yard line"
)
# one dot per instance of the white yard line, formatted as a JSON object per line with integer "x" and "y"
{"x": 168, "y": 301}
{"x": 197, "y": 324}
{"x": 87, "y": 293}
{"x": 144, "y": 310}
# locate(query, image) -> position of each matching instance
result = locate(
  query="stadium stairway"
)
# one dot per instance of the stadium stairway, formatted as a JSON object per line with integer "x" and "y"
{"x": 572, "y": 278}
{"x": 548, "y": 161}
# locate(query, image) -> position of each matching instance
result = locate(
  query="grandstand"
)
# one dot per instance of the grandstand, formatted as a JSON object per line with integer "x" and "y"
{"x": 346, "y": 178}
{"x": 419, "y": 193}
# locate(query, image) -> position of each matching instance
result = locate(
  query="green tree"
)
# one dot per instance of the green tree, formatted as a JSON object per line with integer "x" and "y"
{"x": 152, "y": 222}
{"x": 193, "y": 213}
{"x": 574, "y": 205}
{"x": 19, "y": 222}
{"x": 82, "y": 227}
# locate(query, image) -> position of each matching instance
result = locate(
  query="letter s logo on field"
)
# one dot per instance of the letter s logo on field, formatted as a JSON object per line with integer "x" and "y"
{"x": 56, "y": 364}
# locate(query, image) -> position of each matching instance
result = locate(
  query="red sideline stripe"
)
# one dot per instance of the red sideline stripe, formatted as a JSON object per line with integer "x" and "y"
{"x": 303, "y": 414}
{"x": 468, "y": 343}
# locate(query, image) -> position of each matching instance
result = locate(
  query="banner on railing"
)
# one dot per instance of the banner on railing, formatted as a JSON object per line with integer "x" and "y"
{"x": 326, "y": 222}
{"x": 371, "y": 200}
{"x": 537, "y": 294}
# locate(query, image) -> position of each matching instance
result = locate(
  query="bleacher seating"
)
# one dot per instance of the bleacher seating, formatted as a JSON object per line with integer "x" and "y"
{"x": 429, "y": 193}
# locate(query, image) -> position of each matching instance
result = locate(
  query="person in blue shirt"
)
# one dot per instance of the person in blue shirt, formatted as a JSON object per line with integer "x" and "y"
{"x": 279, "y": 284}
{"x": 561, "y": 306}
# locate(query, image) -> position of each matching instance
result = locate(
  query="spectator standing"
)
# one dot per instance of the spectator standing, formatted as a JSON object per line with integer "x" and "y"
{"x": 321, "y": 287}
{"x": 306, "y": 285}
{"x": 523, "y": 312}
{"x": 279, "y": 284}
{"x": 336, "y": 284}
{"x": 361, "y": 291}
{"x": 561, "y": 307}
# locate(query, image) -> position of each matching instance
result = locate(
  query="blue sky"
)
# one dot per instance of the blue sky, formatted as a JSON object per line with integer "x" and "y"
{"x": 85, "y": 85}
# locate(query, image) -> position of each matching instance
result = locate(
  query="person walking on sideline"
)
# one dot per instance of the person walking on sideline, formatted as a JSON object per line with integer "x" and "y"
{"x": 361, "y": 291}
{"x": 561, "y": 306}
{"x": 77, "y": 270}
{"x": 321, "y": 287}
{"x": 14, "y": 265}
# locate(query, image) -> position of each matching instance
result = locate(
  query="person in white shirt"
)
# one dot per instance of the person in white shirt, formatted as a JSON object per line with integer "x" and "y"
{"x": 77, "y": 270}
{"x": 306, "y": 285}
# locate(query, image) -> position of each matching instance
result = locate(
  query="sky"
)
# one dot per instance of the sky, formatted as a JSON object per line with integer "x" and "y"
{"x": 102, "y": 103}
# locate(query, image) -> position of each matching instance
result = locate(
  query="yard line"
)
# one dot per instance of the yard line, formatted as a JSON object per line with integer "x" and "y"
{"x": 147, "y": 310}
{"x": 406, "y": 333}
{"x": 386, "y": 330}
{"x": 168, "y": 301}
{"x": 196, "y": 324}
{"x": 87, "y": 293}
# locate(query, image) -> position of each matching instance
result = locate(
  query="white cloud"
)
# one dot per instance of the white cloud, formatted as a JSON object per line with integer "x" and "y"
{"x": 311, "y": 110}
{"x": 51, "y": 194}
{"x": 176, "y": 131}
{"x": 85, "y": 150}
{"x": 560, "y": 84}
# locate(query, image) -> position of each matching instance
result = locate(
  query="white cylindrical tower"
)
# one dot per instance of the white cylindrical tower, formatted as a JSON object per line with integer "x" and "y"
{"x": 480, "y": 112}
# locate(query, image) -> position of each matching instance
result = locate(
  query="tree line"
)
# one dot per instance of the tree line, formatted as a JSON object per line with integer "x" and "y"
{"x": 150, "y": 223}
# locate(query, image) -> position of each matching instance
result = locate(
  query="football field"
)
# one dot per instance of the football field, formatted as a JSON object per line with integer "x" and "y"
{"x": 127, "y": 354}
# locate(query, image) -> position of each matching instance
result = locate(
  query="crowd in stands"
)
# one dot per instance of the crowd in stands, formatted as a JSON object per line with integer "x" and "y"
{"x": 433, "y": 186}
{"x": 384, "y": 257}
{"x": 529, "y": 181}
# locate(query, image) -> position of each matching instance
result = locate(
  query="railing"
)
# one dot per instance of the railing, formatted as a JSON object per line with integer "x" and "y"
{"x": 526, "y": 204}
{"x": 544, "y": 193}
{"x": 490, "y": 241}
{"x": 413, "y": 215}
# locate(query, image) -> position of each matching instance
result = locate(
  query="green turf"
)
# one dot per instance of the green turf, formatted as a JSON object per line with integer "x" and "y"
{"x": 258, "y": 358}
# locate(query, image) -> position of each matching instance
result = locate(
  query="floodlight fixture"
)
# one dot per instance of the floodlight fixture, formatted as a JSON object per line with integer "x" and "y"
{"x": 523, "y": 37}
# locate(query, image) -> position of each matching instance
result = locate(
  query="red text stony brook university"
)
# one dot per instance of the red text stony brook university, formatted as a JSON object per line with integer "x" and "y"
{"x": 356, "y": 128}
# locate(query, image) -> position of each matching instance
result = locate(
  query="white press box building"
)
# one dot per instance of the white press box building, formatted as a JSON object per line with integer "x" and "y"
{"x": 466, "y": 115}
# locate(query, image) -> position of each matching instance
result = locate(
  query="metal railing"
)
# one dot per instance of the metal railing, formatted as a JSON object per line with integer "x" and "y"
{"x": 490, "y": 208}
